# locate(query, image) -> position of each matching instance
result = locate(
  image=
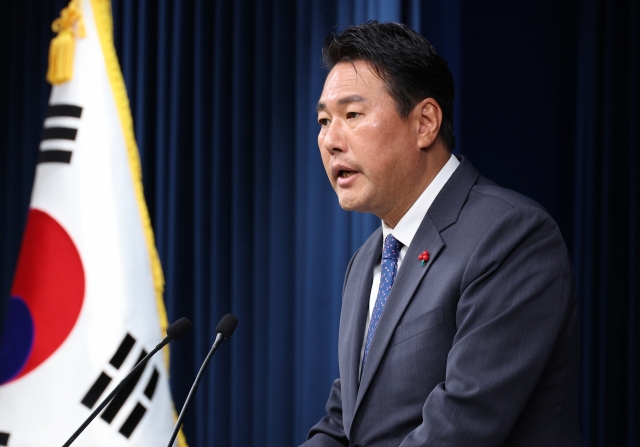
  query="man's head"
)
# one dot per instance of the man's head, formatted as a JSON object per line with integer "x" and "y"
{"x": 381, "y": 125}
{"x": 404, "y": 60}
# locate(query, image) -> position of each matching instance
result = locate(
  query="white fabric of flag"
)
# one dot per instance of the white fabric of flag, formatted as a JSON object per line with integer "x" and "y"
{"x": 86, "y": 303}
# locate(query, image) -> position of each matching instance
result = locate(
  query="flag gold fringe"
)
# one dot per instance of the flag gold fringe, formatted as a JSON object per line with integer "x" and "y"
{"x": 62, "y": 46}
{"x": 104, "y": 25}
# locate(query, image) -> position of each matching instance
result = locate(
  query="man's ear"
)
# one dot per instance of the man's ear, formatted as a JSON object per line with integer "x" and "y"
{"x": 429, "y": 115}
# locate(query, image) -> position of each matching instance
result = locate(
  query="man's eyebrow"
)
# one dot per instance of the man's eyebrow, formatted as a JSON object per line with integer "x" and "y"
{"x": 342, "y": 101}
{"x": 350, "y": 99}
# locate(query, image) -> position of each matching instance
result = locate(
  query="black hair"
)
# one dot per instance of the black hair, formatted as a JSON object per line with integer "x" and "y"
{"x": 406, "y": 62}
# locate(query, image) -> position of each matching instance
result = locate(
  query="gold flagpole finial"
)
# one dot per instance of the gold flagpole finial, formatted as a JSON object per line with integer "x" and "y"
{"x": 69, "y": 25}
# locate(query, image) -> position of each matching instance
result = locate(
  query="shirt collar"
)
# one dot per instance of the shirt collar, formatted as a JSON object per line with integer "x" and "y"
{"x": 408, "y": 225}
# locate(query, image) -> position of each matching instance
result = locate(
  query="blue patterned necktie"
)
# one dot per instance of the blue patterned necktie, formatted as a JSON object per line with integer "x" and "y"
{"x": 387, "y": 274}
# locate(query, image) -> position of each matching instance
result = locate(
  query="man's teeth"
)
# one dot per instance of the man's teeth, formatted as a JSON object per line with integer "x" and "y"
{"x": 345, "y": 174}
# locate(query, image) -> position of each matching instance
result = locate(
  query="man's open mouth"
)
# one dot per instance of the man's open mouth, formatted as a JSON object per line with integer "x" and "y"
{"x": 345, "y": 174}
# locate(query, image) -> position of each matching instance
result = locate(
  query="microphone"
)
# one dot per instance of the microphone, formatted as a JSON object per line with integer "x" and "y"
{"x": 174, "y": 332}
{"x": 224, "y": 330}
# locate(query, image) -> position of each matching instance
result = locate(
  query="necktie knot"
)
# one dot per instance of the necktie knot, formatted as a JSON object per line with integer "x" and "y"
{"x": 392, "y": 247}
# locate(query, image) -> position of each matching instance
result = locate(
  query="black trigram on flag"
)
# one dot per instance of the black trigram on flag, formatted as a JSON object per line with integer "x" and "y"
{"x": 103, "y": 381}
{"x": 60, "y": 130}
{"x": 4, "y": 438}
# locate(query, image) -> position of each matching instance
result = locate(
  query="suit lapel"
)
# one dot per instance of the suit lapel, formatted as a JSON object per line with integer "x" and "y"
{"x": 353, "y": 319}
{"x": 443, "y": 213}
{"x": 409, "y": 277}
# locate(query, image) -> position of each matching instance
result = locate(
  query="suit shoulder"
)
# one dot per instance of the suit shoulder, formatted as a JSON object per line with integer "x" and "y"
{"x": 491, "y": 206}
{"x": 488, "y": 193}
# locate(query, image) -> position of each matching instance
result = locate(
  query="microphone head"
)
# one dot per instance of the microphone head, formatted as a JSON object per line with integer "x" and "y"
{"x": 227, "y": 325}
{"x": 177, "y": 330}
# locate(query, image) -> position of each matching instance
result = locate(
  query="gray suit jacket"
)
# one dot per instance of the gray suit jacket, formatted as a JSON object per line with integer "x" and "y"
{"x": 479, "y": 347}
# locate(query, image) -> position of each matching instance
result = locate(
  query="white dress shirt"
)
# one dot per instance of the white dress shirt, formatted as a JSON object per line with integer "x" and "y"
{"x": 406, "y": 229}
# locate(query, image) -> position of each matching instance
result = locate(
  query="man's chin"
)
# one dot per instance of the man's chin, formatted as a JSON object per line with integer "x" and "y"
{"x": 351, "y": 204}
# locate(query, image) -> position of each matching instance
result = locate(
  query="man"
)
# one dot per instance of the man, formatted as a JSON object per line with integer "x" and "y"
{"x": 459, "y": 323}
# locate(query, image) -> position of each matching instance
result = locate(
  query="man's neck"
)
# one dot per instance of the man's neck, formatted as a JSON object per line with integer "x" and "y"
{"x": 435, "y": 159}
{"x": 407, "y": 227}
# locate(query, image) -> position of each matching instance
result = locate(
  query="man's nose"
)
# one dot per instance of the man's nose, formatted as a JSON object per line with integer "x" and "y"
{"x": 334, "y": 138}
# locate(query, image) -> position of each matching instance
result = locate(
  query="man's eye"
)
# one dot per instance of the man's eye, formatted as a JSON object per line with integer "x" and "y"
{"x": 324, "y": 122}
{"x": 352, "y": 115}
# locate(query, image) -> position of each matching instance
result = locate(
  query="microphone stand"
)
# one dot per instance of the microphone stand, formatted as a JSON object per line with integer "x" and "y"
{"x": 176, "y": 428}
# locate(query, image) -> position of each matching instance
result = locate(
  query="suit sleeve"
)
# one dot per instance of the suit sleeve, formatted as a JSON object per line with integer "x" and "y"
{"x": 515, "y": 298}
{"x": 329, "y": 432}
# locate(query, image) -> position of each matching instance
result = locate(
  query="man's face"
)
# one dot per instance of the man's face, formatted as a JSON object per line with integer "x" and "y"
{"x": 369, "y": 152}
